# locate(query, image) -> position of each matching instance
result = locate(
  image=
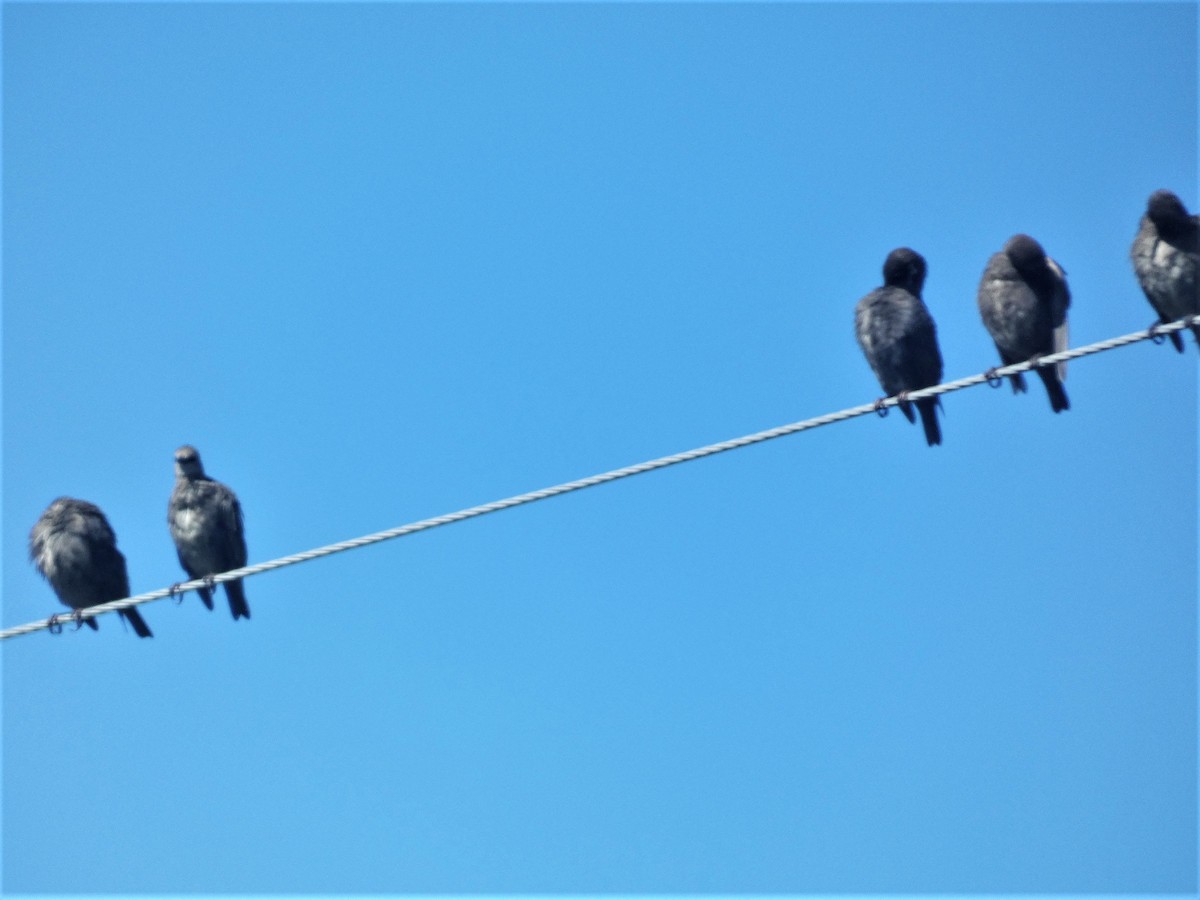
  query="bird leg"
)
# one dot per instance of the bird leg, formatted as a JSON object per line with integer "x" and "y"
{"x": 77, "y": 618}
{"x": 173, "y": 590}
{"x": 210, "y": 582}
{"x": 993, "y": 379}
{"x": 1152, "y": 331}
{"x": 880, "y": 409}
{"x": 53, "y": 625}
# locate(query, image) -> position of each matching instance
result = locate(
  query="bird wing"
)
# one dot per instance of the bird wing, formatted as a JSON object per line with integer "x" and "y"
{"x": 233, "y": 530}
{"x": 1058, "y": 314}
{"x": 923, "y": 357}
{"x": 110, "y": 571}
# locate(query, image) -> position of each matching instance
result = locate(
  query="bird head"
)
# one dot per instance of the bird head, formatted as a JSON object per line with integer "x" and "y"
{"x": 905, "y": 268}
{"x": 1026, "y": 255}
{"x": 1167, "y": 212}
{"x": 187, "y": 462}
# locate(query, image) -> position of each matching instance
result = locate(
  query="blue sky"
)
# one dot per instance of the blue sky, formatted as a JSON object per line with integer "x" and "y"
{"x": 382, "y": 262}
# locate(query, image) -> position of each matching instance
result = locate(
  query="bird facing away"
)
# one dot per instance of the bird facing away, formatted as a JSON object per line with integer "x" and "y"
{"x": 1023, "y": 299}
{"x": 75, "y": 549}
{"x": 898, "y": 336}
{"x": 206, "y": 524}
{"x": 1166, "y": 260}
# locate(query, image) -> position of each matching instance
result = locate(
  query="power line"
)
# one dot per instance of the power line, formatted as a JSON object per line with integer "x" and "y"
{"x": 992, "y": 375}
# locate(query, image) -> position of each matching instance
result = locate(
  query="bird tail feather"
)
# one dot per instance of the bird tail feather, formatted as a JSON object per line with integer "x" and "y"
{"x": 1055, "y": 390}
{"x": 237, "y": 599}
{"x": 205, "y": 596}
{"x": 134, "y": 618}
{"x": 927, "y": 407}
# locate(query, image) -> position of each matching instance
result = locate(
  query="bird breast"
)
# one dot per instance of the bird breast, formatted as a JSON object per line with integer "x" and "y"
{"x": 1164, "y": 254}
{"x": 64, "y": 555}
{"x": 189, "y": 524}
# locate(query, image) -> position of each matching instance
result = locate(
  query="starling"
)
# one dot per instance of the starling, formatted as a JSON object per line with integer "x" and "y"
{"x": 206, "y": 524}
{"x": 1166, "y": 259}
{"x": 1023, "y": 299}
{"x": 899, "y": 339}
{"x": 75, "y": 549}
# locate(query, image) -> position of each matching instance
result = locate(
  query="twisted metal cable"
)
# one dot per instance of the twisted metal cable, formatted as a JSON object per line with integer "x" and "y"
{"x": 1155, "y": 333}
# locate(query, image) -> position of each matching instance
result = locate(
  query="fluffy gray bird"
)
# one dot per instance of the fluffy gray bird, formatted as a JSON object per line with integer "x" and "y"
{"x": 75, "y": 549}
{"x": 899, "y": 338}
{"x": 1166, "y": 259}
{"x": 1023, "y": 299}
{"x": 206, "y": 523}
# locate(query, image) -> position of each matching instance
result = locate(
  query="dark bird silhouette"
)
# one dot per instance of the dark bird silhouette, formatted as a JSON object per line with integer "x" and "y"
{"x": 206, "y": 524}
{"x": 1023, "y": 299}
{"x": 898, "y": 336}
{"x": 1166, "y": 260}
{"x": 75, "y": 549}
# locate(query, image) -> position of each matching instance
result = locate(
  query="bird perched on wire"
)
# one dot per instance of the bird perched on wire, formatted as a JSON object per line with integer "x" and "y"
{"x": 1166, "y": 260}
{"x": 1023, "y": 299}
{"x": 899, "y": 339}
{"x": 205, "y": 519}
{"x": 75, "y": 549}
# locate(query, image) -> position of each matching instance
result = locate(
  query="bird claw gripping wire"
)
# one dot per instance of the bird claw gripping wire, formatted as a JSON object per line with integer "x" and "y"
{"x": 993, "y": 379}
{"x": 173, "y": 591}
{"x": 880, "y": 409}
{"x": 77, "y": 618}
{"x": 210, "y": 582}
{"x": 53, "y": 625}
{"x": 1155, "y": 336}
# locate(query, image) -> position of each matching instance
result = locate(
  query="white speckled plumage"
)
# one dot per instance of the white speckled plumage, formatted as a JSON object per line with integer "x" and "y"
{"x": 1023, "y": 301}
{"x": 1166, "y": 259}
{"x": 205, "y": 519}
{"x": 75, "y": 549}
{"x": 899, "y": 339}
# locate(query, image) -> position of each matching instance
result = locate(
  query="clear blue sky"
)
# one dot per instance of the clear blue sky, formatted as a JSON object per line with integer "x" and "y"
{"x": 381, "y": 262}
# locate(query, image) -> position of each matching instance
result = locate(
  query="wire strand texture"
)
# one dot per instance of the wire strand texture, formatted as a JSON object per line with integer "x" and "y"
{"x": 1154, "y": 333}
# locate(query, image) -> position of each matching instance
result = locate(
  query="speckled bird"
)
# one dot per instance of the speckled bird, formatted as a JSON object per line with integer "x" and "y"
{"x": 1166, "y": 260}
{"x": 75, "y": 549}
{"x": 1023, "y": 300}
{"x": 898, "y": 337}
{"x": 205, "y": 519}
